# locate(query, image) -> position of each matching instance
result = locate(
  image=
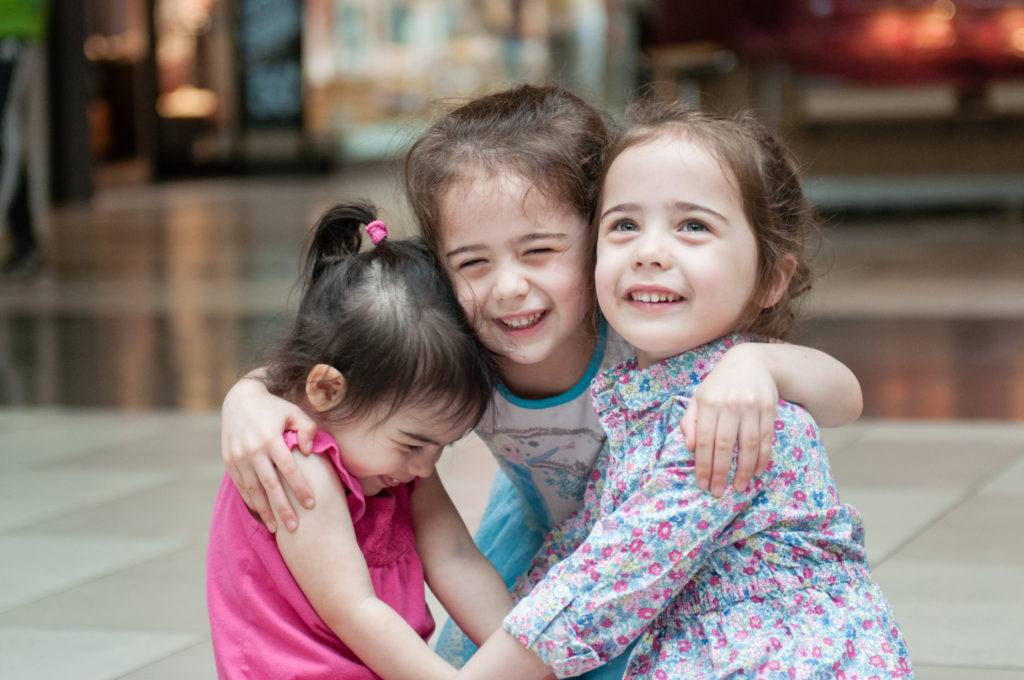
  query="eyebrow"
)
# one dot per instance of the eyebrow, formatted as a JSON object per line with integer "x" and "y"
{"x": 420, "y": 437}
{"x": 685, "y": 206}
{"x": 525, "y": 238}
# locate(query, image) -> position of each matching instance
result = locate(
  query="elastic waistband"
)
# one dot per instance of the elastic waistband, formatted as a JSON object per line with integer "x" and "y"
{"x": 711, "y": 595}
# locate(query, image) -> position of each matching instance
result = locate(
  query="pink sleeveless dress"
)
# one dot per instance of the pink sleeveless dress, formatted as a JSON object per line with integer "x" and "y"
{"x": 262, "y": 625}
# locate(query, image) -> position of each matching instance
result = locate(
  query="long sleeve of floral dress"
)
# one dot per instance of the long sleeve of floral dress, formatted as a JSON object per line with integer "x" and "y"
{"x": 660, "y": 553}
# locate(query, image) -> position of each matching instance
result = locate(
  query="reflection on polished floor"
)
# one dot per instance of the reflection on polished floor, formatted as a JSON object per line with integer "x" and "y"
{"x": 113, "y": 365}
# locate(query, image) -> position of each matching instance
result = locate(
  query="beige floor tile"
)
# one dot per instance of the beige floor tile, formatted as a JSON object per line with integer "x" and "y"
{"x": 895, "y": 458}
{"x": 45, "y": 654}
{"x": 30, "y": 497}
{"x": 964, "y": 673}
{"x": 38, "y": 566}
{"x": 194, "y": 663}
{"x": 893, "y": 517}
{"x": 981, "y": 531}
{"x": 957, "y": 614}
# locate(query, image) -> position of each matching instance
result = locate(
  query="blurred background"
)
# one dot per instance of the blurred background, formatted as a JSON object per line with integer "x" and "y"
{"x": 177, "y": 151}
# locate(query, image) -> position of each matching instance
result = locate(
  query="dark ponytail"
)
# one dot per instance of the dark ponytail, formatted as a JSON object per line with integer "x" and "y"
{"x": 338, "y": 233}
{"x": 387, "y": 319}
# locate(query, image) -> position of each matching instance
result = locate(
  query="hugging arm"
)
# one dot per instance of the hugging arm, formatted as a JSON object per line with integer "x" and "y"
{"x": 325, "y": 560}
{"x": 253, "y": 451}
{"x": 737, "y": 404}
{"x": 464, "y": 581}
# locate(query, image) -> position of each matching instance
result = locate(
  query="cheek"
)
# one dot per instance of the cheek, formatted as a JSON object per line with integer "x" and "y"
{"x": 467, "y": 296}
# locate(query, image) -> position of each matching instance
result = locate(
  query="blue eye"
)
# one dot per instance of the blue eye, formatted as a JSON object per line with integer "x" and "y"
{"x": 625, "y": 225}
{"x": 693, "y": 225}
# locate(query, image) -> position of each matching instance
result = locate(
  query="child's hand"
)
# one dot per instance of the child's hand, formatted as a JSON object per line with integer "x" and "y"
{"x": 254, "y": 451}
{"x": 736, "y": 403}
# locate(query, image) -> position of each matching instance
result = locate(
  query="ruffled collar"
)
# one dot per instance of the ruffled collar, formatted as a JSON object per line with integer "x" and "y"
{"x": 627, "y": 386}
{"x": 325, "y": 445}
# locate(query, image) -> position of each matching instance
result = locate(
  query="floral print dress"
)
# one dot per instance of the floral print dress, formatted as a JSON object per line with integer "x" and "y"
{"x": 772, "y": 582}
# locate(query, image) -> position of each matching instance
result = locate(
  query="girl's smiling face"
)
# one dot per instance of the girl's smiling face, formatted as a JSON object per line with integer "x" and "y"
{"x": 517, "y": 259}
{"x": 677, "y": 259}
{"x": 404, "y": 446}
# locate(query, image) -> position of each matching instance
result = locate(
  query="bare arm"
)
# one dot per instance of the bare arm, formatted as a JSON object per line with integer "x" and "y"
{"x": 737, "y": 403}
{"x": 465, "y": 582}
{"x": 503, "y": 658}
{"x": 253, "y": 451}
{"x": 325, "y": 559}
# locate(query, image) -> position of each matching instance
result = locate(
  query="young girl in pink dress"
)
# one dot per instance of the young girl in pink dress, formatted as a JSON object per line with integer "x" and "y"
{"x": 381, "y": 357}
{"x": 701, "y": 247}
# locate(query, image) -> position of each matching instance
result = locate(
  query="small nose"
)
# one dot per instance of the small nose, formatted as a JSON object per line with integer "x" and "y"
{"x": 510, "y": 283}
{"x": 423, "y": 463}
{"x": 648, "y": 252}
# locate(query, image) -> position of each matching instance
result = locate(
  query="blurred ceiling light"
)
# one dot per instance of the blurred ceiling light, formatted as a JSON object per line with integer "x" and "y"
{"x": 187, "y": 102}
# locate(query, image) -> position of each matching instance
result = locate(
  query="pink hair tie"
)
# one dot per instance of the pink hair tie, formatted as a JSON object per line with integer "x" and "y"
{"x": 377, "y": 230}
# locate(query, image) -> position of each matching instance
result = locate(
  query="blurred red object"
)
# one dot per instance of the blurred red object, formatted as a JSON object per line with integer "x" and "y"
{"x": 965, "y": 43}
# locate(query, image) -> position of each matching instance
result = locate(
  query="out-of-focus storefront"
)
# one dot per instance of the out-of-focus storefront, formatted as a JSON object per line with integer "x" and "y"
{"x": 188, "y": 86}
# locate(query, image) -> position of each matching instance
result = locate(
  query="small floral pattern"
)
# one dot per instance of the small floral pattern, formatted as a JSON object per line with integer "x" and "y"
{"x": 769, "y": 583}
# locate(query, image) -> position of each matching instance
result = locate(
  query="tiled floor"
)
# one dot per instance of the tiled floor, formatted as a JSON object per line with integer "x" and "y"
{"x": 112, "y": 368}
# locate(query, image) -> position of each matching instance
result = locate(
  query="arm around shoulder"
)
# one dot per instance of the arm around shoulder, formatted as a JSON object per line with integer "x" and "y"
{"x": 252, "y": 421}
{"x": 817, "y": 381}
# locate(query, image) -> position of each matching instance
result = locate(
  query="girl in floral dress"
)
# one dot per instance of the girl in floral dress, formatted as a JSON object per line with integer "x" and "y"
{"x": 701, "y": 240}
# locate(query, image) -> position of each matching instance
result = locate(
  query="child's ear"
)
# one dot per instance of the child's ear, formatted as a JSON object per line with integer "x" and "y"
{"x": 325, "y": 387}
{"x": 781, "y": 277}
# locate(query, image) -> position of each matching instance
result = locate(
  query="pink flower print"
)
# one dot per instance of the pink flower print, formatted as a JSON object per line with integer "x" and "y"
{"x": 646, "y": 613}
{"x": 636, "y": 545}
{"x": 622, "y": 640}
{"x": 851, "y": 651}
{"x": 779, "y": 426}
{"x": 877, "y": 661}
{"x": 619, "y": 587}
{"x": 661, "y": 674}
{"x": 800, "y": 495}
{"x": 654, "y": 570}
{"x": 755, "y": 622}
{"x": 868, "y": 624}
{"x": 702, "y": 525}
{"x": 606, "y": 623}
{"x": 816, "y": 652}
{"x": 665, "y": 530}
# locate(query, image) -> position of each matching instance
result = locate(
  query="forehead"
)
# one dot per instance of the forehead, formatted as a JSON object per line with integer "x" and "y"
{"x": 501, "y": 204}
{"x": 438, "y": 424}
{"x": 673, "y": 164}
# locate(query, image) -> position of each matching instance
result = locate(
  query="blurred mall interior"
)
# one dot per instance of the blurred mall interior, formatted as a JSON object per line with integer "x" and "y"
{"x": 180, "y": 149}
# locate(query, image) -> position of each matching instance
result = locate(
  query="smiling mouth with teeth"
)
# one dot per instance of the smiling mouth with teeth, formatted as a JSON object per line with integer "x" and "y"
{"x": 648, "y": 296}
{"x": 524, "y": 322}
